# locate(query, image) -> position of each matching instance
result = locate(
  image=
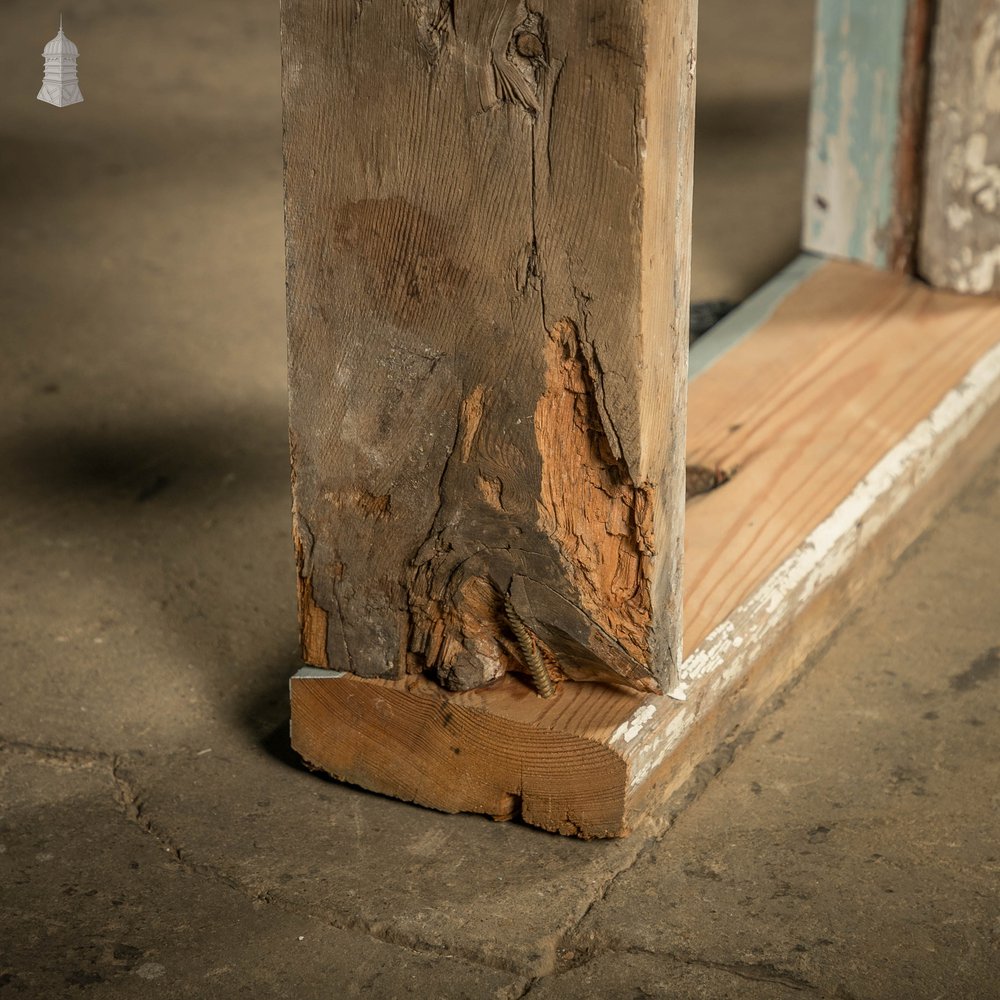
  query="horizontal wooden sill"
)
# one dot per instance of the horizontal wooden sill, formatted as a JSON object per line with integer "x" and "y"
{"x": 847, "y": 406}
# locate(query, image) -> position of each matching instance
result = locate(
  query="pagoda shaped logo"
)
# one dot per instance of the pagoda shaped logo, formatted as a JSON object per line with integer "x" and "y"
{"x": 59, "y": 85}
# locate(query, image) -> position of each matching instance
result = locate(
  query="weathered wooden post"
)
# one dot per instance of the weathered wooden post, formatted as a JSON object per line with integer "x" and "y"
{"x": 866, "y": 135}
{"x": 904, "y": 139}
{"x": 488, "y": 223}
{"x": 960, "y": 234}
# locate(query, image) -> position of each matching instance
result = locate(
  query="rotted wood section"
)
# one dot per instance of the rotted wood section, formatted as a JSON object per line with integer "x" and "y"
{"x": 845, "y": 418}
{"x": 488, "y": 230}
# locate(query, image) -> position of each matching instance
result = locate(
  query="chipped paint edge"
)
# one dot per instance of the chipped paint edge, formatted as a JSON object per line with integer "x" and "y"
{"x": 750, "y": 314}
{"x": 729, "y": 651}
{"x": 316, "y": 674}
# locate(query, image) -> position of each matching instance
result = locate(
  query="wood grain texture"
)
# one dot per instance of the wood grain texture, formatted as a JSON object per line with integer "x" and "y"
{"x": 960, "y": 234}
{"x": 503, "y": 752}
{"x": 798, "y": 412}
{"x": 488, "y": 227}
{"x": 887, "y": 392}
{"x": 861, "y": 197}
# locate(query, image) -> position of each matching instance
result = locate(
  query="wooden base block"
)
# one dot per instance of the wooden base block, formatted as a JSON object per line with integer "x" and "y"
{"x": 847, "y": 415}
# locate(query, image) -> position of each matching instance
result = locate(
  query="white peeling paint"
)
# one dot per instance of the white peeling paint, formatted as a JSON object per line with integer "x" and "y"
{"x": 958, "y": 217}
{"x": 735, "y": 644}
{"x": 679, "y": 693}
{"x": 631, "y": 728}
{"x": 981, "y": 273}
{"x": 960, "y": 245}
{"x": 663, "y": 741}
{"x": 982, "y": 177}
{"x": 317, "y": 674}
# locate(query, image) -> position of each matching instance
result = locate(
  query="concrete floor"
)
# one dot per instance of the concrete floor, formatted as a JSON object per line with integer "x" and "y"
{"x": 156, "y": 835}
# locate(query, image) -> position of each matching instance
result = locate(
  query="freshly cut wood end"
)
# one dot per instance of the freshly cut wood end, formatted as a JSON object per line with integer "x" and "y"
{"x": 411, "y": 740}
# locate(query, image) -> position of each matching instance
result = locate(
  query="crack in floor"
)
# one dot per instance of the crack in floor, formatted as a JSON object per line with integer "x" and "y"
{"x": 762, "y": 972}
{"x": 130, "y": 799}
{"x": 73, "y": 757}
{"x": 659, "y": 827}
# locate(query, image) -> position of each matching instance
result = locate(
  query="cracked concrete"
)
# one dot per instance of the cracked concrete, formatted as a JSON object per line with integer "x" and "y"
{"x": 92, "y": 904}
{"x": 537, "y": 893}
{"x": 156, "y": 834}
{"x": 851, "y": 849}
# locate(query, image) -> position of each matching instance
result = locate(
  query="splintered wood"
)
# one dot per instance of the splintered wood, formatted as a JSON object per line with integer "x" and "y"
{"x": 488, "y": 224}
{"x": 488, "y": 220}
{"x": 845, "y": 420}
{"x": 600, "y": 522}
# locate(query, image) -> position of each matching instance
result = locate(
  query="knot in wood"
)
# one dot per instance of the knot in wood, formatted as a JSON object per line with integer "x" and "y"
{"x": 529, "y": 45}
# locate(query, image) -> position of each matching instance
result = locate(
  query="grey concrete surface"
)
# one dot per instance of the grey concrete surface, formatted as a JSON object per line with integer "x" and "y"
{"x": 157, "y": 837}
{"x": 94, "y": 905}
{"x": 853, "y": 849}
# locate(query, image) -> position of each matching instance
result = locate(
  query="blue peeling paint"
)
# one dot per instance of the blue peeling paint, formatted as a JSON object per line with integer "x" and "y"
{"x": 750, "y": 315}
{"x": 850, "y": 190}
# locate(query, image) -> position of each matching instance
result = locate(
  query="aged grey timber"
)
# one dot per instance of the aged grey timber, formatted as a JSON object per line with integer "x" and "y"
{"x": 960, "y": 235}
{"x": 488, "y": 223}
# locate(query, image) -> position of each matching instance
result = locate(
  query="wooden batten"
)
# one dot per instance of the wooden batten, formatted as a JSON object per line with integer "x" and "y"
{"x": 488, "y": 229}
{"x": 960, "y": 233}
{"x": 846, "y": 410}
{"x": 866, "y": 132}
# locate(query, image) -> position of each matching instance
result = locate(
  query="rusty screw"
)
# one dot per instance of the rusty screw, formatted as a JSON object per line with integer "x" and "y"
{"x": 525, "y": 642}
